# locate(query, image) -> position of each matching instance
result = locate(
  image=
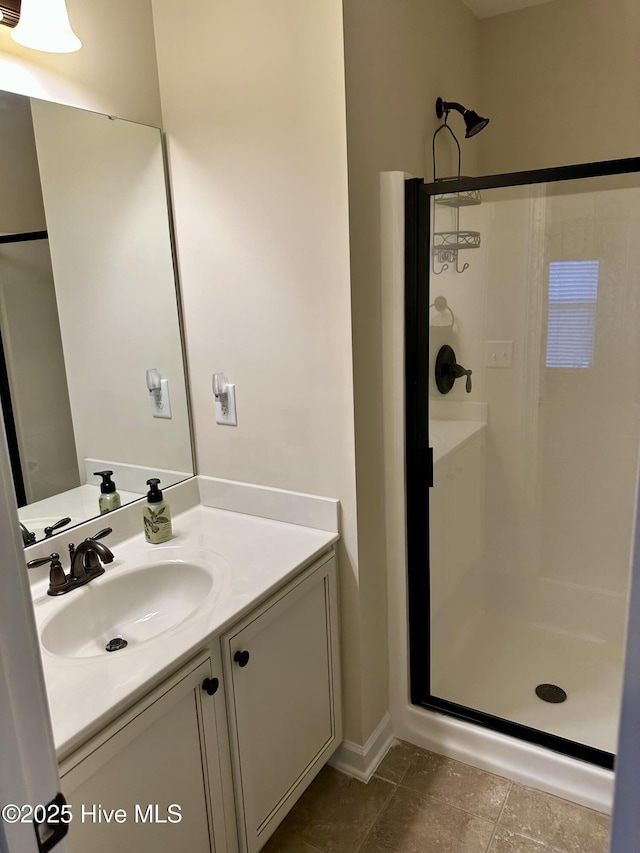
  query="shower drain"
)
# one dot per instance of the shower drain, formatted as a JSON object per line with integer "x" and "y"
{"x": 550, "y": 693}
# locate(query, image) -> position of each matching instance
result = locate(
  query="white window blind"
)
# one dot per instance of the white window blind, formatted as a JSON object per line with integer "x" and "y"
{"x": 573, "y": 293}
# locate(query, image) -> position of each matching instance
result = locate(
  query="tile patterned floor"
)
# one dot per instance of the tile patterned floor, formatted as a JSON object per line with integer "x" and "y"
{"x": 420, "y": 802}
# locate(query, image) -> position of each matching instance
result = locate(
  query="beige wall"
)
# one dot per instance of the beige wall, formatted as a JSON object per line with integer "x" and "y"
{"x": 253, "y": 107}
{"x": 114, "y": 72}
{"x": 560, "y": 84}
{"x": 400, "y": 55}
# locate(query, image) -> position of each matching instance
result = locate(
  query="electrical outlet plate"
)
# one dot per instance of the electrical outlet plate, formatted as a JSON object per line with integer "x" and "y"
{"x": 498, "y": 353}
{"x": 162, "y": 409}
{"x": 225, "y": 407}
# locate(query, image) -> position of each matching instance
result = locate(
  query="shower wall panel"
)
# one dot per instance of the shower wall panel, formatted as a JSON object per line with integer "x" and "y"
{"x": 513, "y": 441}
{"x": 558, "y": 549}
{"x": 589, "y": 415}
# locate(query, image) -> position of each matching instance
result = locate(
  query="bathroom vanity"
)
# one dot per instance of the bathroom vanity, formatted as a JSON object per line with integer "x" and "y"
{"x": 202, "y": 734}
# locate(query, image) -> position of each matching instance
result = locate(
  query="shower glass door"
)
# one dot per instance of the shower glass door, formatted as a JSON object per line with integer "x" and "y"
{"x": 533, "y": 455}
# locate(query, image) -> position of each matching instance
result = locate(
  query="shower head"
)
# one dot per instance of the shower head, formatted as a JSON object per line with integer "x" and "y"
{"x": 473, "y": 122}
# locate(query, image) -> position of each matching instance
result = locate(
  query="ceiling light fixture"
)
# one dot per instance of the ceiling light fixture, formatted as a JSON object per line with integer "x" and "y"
{"x": 40, "y": 24}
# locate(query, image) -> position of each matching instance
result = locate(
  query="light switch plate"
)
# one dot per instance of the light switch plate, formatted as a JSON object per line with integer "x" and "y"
{"x": 498, "y": 353}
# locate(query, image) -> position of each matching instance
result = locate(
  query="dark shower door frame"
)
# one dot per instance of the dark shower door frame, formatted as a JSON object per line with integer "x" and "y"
{"x": 419, "y": 456}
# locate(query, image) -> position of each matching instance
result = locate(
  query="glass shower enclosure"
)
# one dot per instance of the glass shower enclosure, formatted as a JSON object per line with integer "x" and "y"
{"x": 522, "y": 436}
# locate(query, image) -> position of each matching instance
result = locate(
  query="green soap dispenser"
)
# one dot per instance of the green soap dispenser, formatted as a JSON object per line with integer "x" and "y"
{"x": 109, "y": 498}
{"x": 157, "y": 515}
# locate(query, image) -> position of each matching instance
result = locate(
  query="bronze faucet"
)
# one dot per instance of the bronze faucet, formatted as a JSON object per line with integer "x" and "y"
{"x": 85, "y": 559}
{"x": 85, "y": 564}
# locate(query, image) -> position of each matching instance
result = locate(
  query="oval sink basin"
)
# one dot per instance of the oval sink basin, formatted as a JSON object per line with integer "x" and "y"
{"x": 135, "y": 605}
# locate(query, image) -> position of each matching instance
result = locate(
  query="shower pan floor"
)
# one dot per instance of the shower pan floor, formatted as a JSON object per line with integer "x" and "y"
{"x": 499, "y": 667}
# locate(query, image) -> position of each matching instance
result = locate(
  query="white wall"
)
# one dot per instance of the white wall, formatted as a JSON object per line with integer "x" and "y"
{"x": 114, "y": 72}
{"x": 105, "y": 200}
{"x": 253, "y": 107}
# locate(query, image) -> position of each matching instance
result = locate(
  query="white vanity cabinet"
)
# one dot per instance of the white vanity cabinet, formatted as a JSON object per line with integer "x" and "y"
{"x": 282, "y": 685}
{"x": 208, "y": 770}
{"x": 158, "y": 764}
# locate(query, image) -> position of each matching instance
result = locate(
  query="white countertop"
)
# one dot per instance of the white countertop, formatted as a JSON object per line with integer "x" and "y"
{"x": 446, "y": 436}
{"x": 258, "y": 556}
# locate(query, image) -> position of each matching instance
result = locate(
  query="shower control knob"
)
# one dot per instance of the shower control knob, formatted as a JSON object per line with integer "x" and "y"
{"x": 448, "y": 370}
{"x": 241, "y": 658}
{"x": 210, "y": 685}
{"x": 459, "y": 372}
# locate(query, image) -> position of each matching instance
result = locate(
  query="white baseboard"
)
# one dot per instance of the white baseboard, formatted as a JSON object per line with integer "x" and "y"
{"x": 361, "y": 761}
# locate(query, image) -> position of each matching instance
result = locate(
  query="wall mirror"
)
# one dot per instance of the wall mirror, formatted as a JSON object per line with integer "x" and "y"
{"x": 88, "y": 305}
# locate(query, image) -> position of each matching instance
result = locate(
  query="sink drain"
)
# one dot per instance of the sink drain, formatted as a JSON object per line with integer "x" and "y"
{"x": 551, "y": 693}
{"x": 116, "y": 644}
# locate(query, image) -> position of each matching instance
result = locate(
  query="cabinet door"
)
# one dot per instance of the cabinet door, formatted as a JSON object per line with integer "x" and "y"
{"x": 281, "y": 695}
{"x": 157, "y": 764}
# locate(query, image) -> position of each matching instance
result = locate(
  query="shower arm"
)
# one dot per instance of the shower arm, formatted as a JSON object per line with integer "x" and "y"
{"x": 452, "y": 105}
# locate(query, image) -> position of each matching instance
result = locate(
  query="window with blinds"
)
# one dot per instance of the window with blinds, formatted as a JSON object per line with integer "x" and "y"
{"x": 573, "y": 293}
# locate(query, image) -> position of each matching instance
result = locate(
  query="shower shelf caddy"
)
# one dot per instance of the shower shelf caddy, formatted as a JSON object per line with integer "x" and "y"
{"x": 465, "y": 199}
{"x": 447, "y": 244}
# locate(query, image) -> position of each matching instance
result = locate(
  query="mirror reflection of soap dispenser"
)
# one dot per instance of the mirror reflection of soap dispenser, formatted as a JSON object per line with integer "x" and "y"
{"x": 157, "y": 515}
{"x": 109, "y": 498}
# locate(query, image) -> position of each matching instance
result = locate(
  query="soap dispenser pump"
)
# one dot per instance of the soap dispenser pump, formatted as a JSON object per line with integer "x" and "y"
{"x": 157, "y": 515}
{"x": 109, "y": 498}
